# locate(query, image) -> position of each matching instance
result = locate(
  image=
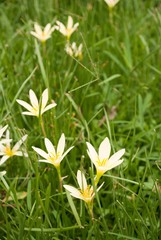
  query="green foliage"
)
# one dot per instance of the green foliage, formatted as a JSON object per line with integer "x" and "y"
{"x": 114, "y": 91}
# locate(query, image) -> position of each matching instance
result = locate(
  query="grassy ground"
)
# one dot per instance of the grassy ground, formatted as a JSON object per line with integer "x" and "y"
{"x": 119, "y": 78}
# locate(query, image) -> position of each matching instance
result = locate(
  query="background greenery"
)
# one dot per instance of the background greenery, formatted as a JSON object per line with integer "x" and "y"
{"x": 120, "y": 73}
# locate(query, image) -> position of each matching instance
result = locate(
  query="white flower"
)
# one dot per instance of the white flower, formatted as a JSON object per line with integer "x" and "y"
{"x": 45, "y": 34}
{"x": 6, "y": 151}
{"x": 37, "y": 107}
{"x": 102, "y": 160}
{"x": 2, "y": 173}
{"x": 69, "y": 29}
{"x": 111, "y": 3}
{"x": 53, "y": 156}
{"x": 73, "y": 50}
{"x": 86, "y": 192}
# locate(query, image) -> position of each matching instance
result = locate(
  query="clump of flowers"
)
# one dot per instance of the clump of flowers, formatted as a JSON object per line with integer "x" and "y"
{"x": 68, "y": 30}
{"x": 7, "y": 152}
{"x": 53, "y": 156}
{"x": 37, "y": 108}
{"x": 102, "y": 160}
{"x": 74, "y": 51}
{"x": 43, "y": 34}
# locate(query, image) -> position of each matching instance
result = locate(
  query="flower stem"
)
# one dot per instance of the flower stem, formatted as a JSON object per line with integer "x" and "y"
{"x": 60, "y": 179}
{"x": 90, "y": 208}
{"x": 42, "y": 126}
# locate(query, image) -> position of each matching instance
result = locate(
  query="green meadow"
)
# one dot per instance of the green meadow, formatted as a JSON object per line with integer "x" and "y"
{"x": 110, "y": 89}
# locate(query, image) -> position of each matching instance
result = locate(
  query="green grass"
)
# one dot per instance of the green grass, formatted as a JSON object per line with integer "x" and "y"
{"x": 121, "y": 67}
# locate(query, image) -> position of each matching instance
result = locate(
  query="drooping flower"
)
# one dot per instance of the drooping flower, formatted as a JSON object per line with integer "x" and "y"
{"x": 36, "y": 108}
{"x": 102, "y": 160}
{"x": 45, "y": 34}
{"x": 69, "y": 29}
{"x": 111, "y": 3}
{"x": 53, "y": 156}
{"x": 85, "y": 192}
{"x": 6, "y": 151}
{"x": 73, "y": 50}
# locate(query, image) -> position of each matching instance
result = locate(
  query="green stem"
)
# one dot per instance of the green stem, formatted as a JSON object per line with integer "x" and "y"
{"x": 60, "y": 179}
{"x": 90, "y": 208}
{"x": 42, "y": 125}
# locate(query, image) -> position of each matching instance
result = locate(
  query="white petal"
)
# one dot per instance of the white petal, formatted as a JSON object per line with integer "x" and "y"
{"x": 38, "y": 29}
{"x": 33, "y": 99}
{"x": 45, "y": 161}
{"x": 44, "y": 98}
{"x": 116, "y": 156}
{"x": 48, "y": 107}
{"x": 3, "y": 159}
{"x": 25, "y": 105}
{"x": 61, "y": 28}
{"x": 19, "y": 143}
{"x": 47, "y": 29}
{"x": 73, "y": 191}
{"x": 66, "y": 152}
{"x": 111, "y": 165}
{"x": 49, "y": 146}
{"x": 36, "y": 35}
{"x": 70, "y": 22}
{"x": 104, "y": 149}
{"x": 30, "y": 114}
{"x": 81, "y": 180}
{"x": 2, "y": 130}
{"x": 41, "y": 152}
{"x": 61, "y": 145}
{"x": 92, "y": 153}
{"x": 2, "y": 173}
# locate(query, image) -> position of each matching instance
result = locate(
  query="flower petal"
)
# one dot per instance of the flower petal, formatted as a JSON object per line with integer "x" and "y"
{"x": 73, "y": 191}
{"x": 41, "y": 152}
{"x": 70, "y": 22}
{"x": 61, "y": 145}
{"x": 38, "y": 29}
{"x": 50, "y": 147}
{"x": 116, "y": 156}
{"x": 81, "y": 180}
{"x": 66, "y": 152}
{"x": 2, "y": 130}
{"x": 104, "y": 149}
{"x": 48, "y": 107}
{"x": 33, "y": 99}
{"x": 111, "y": 165}
{"x": 92, "y": 153}
{"x": 19, "y": 143}
{"x": 47, "y": 29}
{"x": 25, "y": 105}
{"x": 44, "y": 99}
{"x": 4, "y": 159}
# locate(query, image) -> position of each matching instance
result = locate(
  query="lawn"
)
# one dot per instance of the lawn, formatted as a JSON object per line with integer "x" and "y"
{"x": 80, "y": 120}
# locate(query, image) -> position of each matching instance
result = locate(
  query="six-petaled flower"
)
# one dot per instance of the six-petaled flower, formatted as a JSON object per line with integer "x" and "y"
{"x": 36, "y": 108}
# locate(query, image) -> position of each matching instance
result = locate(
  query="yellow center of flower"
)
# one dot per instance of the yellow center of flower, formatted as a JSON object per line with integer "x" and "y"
{"x": 87, "y": 194}
{"x": 101, "y": 162}
{"x": 8, "y": 151}
{"x": 53, "y": 158}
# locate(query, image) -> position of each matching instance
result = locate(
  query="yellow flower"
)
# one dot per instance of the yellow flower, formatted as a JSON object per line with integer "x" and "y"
{"x": 73, "y": 50}
{"x": 53, "y": 156}
{"x": 45, "y": 34}
{"x": 69, "y": 29}
{"x": 37, "y": 107}
{"x": 6, "y": 151}
{"x": 111, "y": 3}
{"x": 102, "y": 160}
{"x": 86, "y": 192}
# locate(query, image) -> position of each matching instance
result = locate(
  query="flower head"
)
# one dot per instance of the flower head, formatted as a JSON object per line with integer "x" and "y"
{"x": 53, "y": 156}
{"x": 102, "y": 160}
{"x": 86, "y": 192}
{"x": 69, "y": 29}
{"x": 111, "y": 3}
{"x": 45, "y": 34}
{"x": 73, "y": 50}
{"x": 6, "y": 151}
{"x": 37, "y": 107}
